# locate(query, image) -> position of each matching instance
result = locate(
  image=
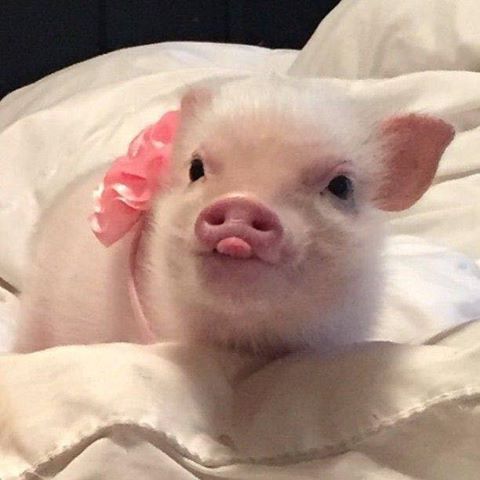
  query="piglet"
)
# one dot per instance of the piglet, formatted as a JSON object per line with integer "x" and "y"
{"x": 266, "y": 237}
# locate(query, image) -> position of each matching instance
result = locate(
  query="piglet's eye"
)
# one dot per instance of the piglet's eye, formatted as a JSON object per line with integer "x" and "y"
{"x": 196, "y": 169}
{"x": 341, "y": 187}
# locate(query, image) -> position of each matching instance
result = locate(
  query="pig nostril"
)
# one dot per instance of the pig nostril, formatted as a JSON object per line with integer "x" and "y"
{"x": 261, "y": 226}
{"x": 216, "y": 220}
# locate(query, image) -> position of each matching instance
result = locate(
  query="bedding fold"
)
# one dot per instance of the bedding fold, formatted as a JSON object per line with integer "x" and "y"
{"x": 412, "y": 409}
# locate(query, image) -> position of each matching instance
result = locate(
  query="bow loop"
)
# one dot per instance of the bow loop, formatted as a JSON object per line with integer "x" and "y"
{"x": 131, "y": 182}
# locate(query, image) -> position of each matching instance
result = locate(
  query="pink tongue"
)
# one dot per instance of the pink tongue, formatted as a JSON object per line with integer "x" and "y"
{"x": 234, "y": 247}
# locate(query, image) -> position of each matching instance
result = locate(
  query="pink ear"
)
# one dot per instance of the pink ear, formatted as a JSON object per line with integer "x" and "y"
{"x": 414, "y": 145}
{"x": 193, "y": 99}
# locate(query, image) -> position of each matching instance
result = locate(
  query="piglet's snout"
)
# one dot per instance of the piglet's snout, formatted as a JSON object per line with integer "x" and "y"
{"x": 240, "y": 227}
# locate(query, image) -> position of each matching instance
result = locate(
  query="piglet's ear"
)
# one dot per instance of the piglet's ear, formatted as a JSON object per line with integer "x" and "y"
{"x": 413, "y": 146}
{"x": 195, "y": 98}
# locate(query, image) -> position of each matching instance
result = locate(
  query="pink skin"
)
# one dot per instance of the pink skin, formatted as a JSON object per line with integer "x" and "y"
{"x": 258, "y": 254}
{"x": 239, "y": 226}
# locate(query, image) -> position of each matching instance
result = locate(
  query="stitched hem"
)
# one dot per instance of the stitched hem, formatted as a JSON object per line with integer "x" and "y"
{"x": 178, "y": 449}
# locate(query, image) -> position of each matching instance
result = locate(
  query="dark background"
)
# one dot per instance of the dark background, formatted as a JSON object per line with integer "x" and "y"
{"x": 38, "y": 37}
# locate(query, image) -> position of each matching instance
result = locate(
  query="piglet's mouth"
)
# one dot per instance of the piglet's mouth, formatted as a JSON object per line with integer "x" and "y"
{"x": 234, "y": 247}
{"x": 238, "y": 249}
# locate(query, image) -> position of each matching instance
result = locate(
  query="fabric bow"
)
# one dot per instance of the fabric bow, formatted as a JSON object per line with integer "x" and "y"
{"x": 129, "y": 185}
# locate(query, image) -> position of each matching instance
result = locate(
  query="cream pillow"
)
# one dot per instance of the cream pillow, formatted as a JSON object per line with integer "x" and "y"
{"x": 386, "y": 38}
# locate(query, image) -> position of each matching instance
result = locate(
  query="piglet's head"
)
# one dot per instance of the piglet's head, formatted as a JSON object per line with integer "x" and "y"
{"x": 271, "y": 228}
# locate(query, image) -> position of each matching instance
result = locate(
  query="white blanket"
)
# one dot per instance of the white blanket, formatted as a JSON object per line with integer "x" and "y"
{"x": 380, "y": 411}
{"x": 127, "y": 412}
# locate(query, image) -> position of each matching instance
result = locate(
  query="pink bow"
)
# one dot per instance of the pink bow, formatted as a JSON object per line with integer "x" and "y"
{"x": 130, "y": 183}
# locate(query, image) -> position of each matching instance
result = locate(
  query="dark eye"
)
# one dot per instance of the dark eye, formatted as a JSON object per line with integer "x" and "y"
{"x": 341, "y": 187}
{"x": 196, "y": 169}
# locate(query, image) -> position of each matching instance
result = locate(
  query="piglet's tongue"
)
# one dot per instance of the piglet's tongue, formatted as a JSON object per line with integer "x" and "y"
{"x": 234, "y": 247}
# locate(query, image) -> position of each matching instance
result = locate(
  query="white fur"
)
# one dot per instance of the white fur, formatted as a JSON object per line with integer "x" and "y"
{"x": 258, "y": 137}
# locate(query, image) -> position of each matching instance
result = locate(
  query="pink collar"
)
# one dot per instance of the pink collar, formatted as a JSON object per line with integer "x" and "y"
{"x": 147, "y": 335}
{"x": 127, "y": 192}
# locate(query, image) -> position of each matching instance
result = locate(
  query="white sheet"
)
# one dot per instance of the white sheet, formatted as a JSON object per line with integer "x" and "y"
{"x": 384, "y": 412}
